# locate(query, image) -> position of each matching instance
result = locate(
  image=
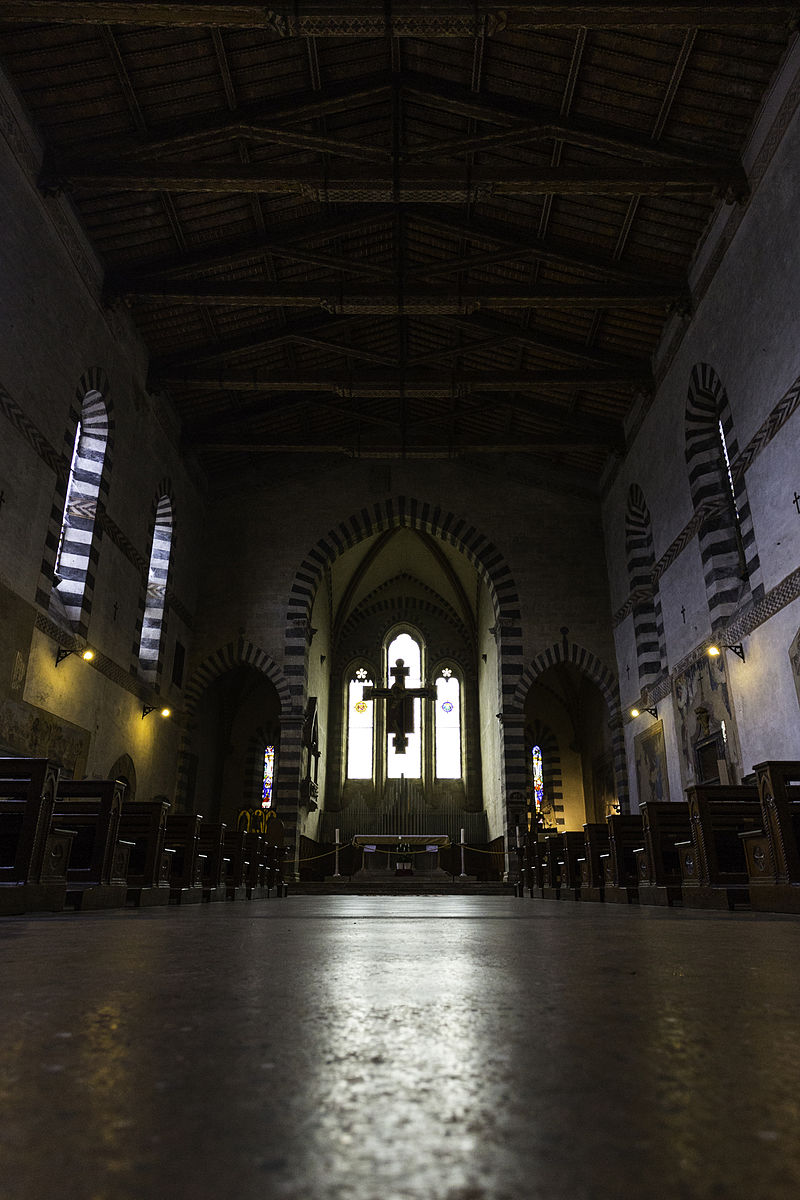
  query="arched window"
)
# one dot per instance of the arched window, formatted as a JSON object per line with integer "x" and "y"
{"x": 448, "y": 725}
{"x": 360, "y": 725}
{"x": 545, "y": 786}
{"x": 648, "y": 622}
{"x": 406, "y": 648}
{"x": 727, "y": 539}
{"x": 74, "y": 554}
{"x": 392, "y": 737}
{"x": 151, "y": 640}
{"x": 537, "y": 776}
{"x": 268, "y": 777}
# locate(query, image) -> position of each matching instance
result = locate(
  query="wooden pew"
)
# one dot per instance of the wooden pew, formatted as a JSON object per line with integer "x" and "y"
{"x": 551, "y": 866}
{"x": 98, "y": 865}
{"x": 182, "y": 835}
{"x": 215, "y": 864}
{"x": 620, "y": 885}
{"x": 143, "y": 822}
{"x": 33, "y": 854}
{"x": 658, "y": 868}
{"x": 772, "y": 853}
{"x": 595, "y": 843}
{"x": 713, "y": 863}
{"x": 238, "y": 864}
{"x": 573, "y": 849}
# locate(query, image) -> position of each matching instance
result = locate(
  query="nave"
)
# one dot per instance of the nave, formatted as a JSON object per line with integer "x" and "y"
{"x": 460, "y": 1048}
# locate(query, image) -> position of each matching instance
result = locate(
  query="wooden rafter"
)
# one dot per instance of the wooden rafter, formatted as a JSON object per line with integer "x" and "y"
{"x": 366, "y": 18}
{"x": 392, "y": 382}
{"x": 368, "y": 299}
{"x": 415, "y": 183}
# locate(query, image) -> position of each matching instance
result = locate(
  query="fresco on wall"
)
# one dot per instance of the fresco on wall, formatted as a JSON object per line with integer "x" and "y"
{"x": 794, "y": 656}
{"x": 35, "y": 733}
{"x": 705, "y": 725}
{"x": 651, "y": 764}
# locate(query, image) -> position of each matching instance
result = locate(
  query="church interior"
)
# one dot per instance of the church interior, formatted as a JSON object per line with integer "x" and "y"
{"x": 399, "y": 517}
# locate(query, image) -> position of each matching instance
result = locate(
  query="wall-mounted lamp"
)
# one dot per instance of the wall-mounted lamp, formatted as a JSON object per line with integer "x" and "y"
{"x": 713, "y": 651}
{"x": 87, "y": 655}
{"x": 148, "y": 708}
{"x": 637, "y": 712}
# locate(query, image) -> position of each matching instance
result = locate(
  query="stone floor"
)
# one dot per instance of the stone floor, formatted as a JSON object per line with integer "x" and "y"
{"x": 400, "y": 1048}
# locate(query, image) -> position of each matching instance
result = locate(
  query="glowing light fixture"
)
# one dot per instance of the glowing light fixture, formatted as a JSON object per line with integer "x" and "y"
{"x": 64, "y": 652}
{"x": 713, "y": 651}
{"x": 637, "y": 712}
{"x": 148, "y": 708}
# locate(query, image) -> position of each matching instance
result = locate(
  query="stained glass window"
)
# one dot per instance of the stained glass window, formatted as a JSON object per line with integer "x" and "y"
{"x": 448, "y": 726}
{"x": 269, "y": 774}
{"x": 409, "y": 764}
{"x": 360, "y": 722}
{"x": 538, "y": 778}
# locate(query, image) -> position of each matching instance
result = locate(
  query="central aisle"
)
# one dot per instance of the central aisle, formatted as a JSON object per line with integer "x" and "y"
{"x": 400, "y": 1048}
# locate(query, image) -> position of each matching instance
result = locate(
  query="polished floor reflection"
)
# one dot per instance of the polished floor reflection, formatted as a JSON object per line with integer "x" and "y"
{"x": 400, "y": 1048}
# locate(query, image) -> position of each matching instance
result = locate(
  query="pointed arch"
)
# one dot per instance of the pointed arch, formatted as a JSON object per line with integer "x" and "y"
{"x": 234, "y": 654}
{"x": 731, "y": 566}
{"x": 151, "y": 626}
{"x": 442, "y": 525}
{"x": 648, "y": 621}
{"x": 605, "y": 679}
{"x": 75, "y": 528}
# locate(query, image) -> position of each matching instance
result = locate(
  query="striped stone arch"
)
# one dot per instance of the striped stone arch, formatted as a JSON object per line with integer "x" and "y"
{"x": 151, "y": 621}
{"x": 234, "y": 654}
{"x": 731, "y": 566}
{"x": 606, "y": 681}
{"x": 541, "y": 735}
{"x": 392, "y": 513}
{"x": 648, "y": 620}
{"x": 72, "y": 543}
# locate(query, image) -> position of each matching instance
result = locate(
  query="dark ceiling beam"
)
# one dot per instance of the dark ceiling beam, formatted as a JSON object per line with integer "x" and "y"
{"x": 521, "y": 244}
{"x": 358, "y": 185}
{"x": 234, "y": 424}
{"x": 281, "y": 243}
{"x": 279, "y": 115}
{"x": 333, "y": 331}
{"x": 544, "y": 341}
{"x": 436, "y": 18}
{"x": 569, "y": 431}
{"x": 391, "y": 382}
{"x": 552, "y": 443}
{"x": 377, "y": 299}
{"x": 527, "y": 124}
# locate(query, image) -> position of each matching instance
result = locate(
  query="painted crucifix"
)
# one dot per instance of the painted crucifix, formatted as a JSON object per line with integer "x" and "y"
{"x": 399, "y": 704}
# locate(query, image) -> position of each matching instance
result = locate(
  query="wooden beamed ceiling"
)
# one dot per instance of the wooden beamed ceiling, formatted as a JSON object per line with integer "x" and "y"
{"x": 490, "y": 210}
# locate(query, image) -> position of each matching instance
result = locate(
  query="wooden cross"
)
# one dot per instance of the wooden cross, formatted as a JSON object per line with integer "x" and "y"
{"x": 683, "y": 613}
{"x": 796, "y": 502}
{"x": 399, "y": 704}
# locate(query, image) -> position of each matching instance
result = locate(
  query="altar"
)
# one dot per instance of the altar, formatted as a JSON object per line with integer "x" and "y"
{"x": 401, "y": 853}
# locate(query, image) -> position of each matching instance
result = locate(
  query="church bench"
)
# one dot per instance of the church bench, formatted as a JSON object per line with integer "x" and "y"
{"x": 713, "y": 864}
{"x": 658, "y": 868}
{"x": 256, "y": 879}
{"x": 211, "y": 844}
{"x": 573, "y": 849}
{"x": 182, "y": 835}
{"x": 143, "y": 822}
{"x": 620, "y": 885}
{"x": 772, "y": 853}
{"x": 98, "y": 865}
{"x": 551, "y": 866}
{"x": 595, "y": 843}
{"x": 33, "y": 854}
{"x": 238, "y": 864}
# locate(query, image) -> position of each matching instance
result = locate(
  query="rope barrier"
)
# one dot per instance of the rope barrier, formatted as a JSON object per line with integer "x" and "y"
{"x": 405, "y": 853}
